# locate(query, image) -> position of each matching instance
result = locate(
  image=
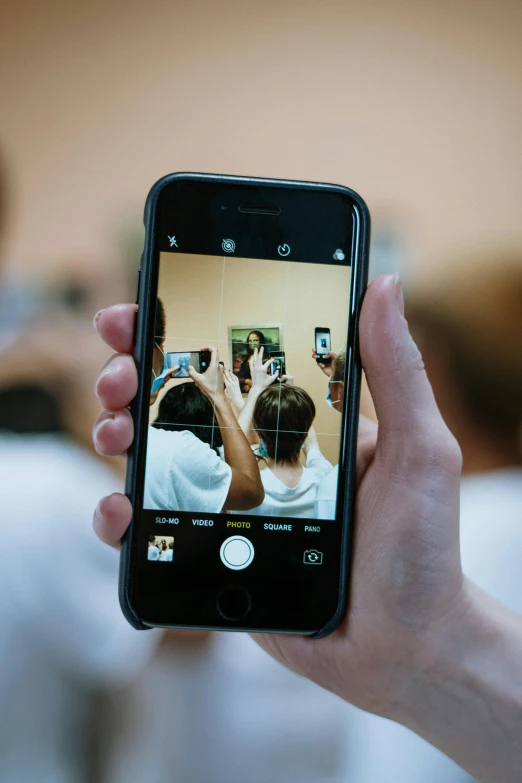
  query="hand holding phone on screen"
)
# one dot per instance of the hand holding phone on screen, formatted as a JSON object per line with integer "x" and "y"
{"x": 262, "y": 373}
{"x": 279, "y": 364}
{"x": 211, "y": 382}
{"x": 326, "y": 367}
{"x": 322, "y": 344}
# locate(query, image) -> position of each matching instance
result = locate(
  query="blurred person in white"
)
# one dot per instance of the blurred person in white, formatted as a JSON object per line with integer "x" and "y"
{"x": 214, "y": 708}
{"x": 467, "y": 321}
{"x": 63, "y": 637}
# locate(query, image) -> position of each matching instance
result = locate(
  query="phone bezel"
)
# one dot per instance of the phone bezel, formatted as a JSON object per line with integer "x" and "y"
{"x": 353, "y": 374}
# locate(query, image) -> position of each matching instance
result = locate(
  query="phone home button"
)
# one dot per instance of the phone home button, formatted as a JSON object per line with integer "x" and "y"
{"x": 234, "y": 603}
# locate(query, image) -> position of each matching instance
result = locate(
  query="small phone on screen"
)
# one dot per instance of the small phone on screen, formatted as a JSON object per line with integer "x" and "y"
{"x": 278, "y": 363}
{"x": 200, "y": 360}
{"x": 262, "y": 535}
{"x": 322, "y": 345}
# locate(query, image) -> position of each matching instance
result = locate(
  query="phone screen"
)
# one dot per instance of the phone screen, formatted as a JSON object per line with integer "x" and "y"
{"x": 322, "y": 342}
{"x": 244, "y": 288}
{"x": 185, "y": 359}
{"x": 278, "y": 364}
{"x": 278, "y": 324}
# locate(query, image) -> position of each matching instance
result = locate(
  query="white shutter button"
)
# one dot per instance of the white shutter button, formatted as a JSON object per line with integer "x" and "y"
{"x": 236, "y": 552}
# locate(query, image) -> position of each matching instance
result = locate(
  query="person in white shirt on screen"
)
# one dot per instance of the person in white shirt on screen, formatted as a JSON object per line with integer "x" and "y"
{"x": 279, "y": 416}
{"x": 167, "y": 552}
{"x": 184, "y": 474}
{"x": 153, "y": 552}
{"x": 326, "y": 498}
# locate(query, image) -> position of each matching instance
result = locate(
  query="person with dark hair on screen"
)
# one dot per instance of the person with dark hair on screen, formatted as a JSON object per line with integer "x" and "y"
{"x": 254, "y": 341}
{"x": 184, "y": 408}
{"x": 184, "y": 473}
{"x": 167, "y": 552}
{"x": 281, "y": 416}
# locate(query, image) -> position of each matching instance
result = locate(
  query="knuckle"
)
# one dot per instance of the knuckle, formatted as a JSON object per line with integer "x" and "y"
{"x": 429, "y": 449}
{"x": 439, "y": 450}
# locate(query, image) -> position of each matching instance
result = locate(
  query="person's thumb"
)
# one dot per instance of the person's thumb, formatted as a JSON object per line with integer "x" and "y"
{"x": 410, "y": 425}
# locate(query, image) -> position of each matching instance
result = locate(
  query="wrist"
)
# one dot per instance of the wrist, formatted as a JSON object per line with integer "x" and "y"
{"x": 255, "y": 391}
{"x": 464, "y": 693}
{"x": 222, "y": 407}
{"x": 436, "y": 655}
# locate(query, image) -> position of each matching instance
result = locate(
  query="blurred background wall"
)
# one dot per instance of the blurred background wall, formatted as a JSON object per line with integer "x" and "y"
{"x": 417, "y": 105}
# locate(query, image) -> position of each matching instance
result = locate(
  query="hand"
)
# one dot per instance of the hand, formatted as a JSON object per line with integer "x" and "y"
{"x": 261, "y": 377}
{"x": 288, "y": 379}
{"x": 407, "y": 583}
{"x": 233, "y": 390}
{"x": 211, "y": 382}
{"x": 326, "y": 368}
{"x": 418, "y": 644}
{"x": 407, "y": 588}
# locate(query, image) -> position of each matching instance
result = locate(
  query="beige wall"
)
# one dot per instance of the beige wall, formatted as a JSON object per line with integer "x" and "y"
{"x": 415, "y": 104}
{"x": 204, "y": 295}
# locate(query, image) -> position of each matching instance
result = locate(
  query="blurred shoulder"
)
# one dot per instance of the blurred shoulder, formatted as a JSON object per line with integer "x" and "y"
{"x": 491, "y": 533}
{"x": 494, "y": 495}
{"x": 39, "y": 467}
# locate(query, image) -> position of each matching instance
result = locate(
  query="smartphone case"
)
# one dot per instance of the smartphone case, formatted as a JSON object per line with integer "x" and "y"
{"x": 353, "y": 381}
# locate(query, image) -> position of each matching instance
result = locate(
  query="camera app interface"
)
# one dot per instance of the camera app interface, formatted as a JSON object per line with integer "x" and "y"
{"x": 236, "y": 366}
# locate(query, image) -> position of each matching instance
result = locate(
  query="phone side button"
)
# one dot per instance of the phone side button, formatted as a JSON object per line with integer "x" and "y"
{"x": 138, "y": 279}
{"x": 234, "y": 603}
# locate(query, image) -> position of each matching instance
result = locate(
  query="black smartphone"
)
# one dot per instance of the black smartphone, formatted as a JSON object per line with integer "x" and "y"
{"x": 278, "y": 363}
{"x": 322, "y": 344}
{"x": 200, "y": 360}
{"x": 233, "y": 263}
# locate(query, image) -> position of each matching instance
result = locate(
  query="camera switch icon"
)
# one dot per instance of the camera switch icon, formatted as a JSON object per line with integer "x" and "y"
{"x": 313, "y": 557}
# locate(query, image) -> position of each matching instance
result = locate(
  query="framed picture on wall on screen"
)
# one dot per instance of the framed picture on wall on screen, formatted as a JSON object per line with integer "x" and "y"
{"x": 244, "y": 339}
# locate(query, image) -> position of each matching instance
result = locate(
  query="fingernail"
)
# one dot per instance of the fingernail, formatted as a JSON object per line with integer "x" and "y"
{"x": 104, "y": 418}
{"x": 97, "y": 511}
{"x": 96, "y": 317}
{"x": 107, "y": 370}
{"x": 399, "y": 293}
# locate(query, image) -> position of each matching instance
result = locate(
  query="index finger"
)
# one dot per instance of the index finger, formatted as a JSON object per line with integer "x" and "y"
{"x": 115, "y": 325}
{"x": 214, "y": 355}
